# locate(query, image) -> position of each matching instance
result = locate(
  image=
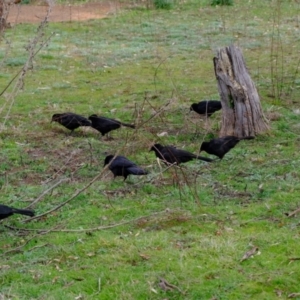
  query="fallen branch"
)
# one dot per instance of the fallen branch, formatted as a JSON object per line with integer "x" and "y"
{"x": 78, "y": 192}
{"x": 91, "y": 229}
{"x": 18, "y": 249}
{"x": 38, "y": 199}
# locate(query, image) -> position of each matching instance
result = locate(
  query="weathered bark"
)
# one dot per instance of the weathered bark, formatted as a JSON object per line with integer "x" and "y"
{"x": 241, "y": 109}
{"x": 4, "y": 10}
{"x": 1, "y": 13}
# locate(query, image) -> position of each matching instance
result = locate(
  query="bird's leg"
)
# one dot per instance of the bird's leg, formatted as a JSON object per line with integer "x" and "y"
{"x": 110, "y": 138}
{"x": 104, "y": 137}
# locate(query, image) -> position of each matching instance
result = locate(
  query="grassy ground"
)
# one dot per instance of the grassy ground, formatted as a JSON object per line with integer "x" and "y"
{"x": 190, "y": 226}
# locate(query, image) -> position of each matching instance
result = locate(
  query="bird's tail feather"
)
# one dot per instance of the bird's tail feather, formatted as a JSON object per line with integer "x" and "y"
{"x": 205, "y": 158}
{"x": 86, "y": 124}
{"x": 137, "y": 171}
{"x": 26, "y": 212}
{"x": 128, "y": 125}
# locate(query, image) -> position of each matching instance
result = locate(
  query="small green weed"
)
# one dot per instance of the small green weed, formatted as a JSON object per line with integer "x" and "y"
{"x": 15, "y": 62}
{"x": 221, "y": 2}
{"x": 163, "y": 4}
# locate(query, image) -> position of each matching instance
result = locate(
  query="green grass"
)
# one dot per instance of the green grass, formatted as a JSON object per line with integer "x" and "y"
{"x": 189, "y": 225}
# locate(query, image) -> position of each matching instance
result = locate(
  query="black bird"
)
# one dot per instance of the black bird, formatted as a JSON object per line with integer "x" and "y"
{"x": 70, "y": 120}
{"x": 105, "y": 125}
{"x": 206, "y": 107}
{"x": 6, "y": 211}
{"x": 121, "y": 166}
{"x": 220, "y": 146}
{"x": 172, "y": 155}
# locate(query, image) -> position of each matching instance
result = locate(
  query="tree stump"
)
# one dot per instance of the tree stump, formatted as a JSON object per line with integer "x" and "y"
{"x": 3, "y": 15}
{"x": 241, "y": 109}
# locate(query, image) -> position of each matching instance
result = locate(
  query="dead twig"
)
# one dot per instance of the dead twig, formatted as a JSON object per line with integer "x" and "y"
{"x": 249, "y": 253}
{"x": 78, "y": 192}
{"x": 61, "y": 168}
{"x": 166, "y": 286}
{"x": 38, "y": 199}
{"x": 94, "y": 228}
{"x": 157, "y": 113}
{"x": 293, "y": 259}
{"x": 91, "y": 153}
{"x": 37, "y": 247}
{"x": 18, "y": 249}
{"x": 293, "y": 295}
{"x": 28, "y": 64}
{"x": 291, "y": 214}
{"x": 99, "y": 285}
{"x": 156, "y": 175}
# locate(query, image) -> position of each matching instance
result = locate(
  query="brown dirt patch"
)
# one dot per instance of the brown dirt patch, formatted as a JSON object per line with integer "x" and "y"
{"x": 61, "y": 13}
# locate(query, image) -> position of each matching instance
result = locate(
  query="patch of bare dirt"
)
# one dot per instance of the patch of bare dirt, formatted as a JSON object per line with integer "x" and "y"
{"x": 61, "y": 13}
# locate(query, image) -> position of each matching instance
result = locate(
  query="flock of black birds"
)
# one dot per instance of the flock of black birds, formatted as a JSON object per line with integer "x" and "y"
{"x": 121, "y": 166}
{"x": 102, "y": 124}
